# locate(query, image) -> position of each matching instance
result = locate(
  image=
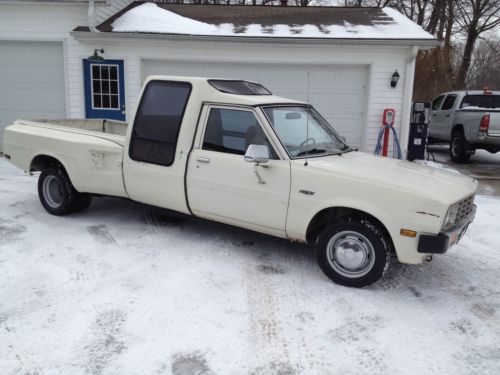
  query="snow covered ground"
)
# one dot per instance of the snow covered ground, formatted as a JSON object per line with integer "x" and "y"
{"x": 122, "y": 289}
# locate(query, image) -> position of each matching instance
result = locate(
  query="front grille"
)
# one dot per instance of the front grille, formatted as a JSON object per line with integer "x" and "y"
{"x": 465, "y": 207}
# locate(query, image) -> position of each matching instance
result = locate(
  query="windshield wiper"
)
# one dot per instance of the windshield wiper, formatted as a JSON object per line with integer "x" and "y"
{"x": 313, "y": 151}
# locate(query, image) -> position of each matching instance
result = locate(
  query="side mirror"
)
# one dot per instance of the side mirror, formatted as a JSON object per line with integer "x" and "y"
{"x": 257, "y": 154}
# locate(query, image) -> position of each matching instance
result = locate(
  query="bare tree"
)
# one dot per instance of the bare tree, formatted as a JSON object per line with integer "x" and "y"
{"x": 485, "y": 65}
{"x": 476, "y": 17}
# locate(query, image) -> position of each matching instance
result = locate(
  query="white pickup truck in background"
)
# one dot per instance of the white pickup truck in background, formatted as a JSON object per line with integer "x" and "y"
{"x": 468, "y": 120}
{"x": 232, "y": 152}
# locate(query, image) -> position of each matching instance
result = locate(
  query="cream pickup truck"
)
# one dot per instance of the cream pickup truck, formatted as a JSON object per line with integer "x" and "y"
{"x": 232, "y": 152}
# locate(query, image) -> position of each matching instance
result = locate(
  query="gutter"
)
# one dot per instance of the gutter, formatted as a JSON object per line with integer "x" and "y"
{"x": 116, "y": 36}
{"x": 408, "y": 95}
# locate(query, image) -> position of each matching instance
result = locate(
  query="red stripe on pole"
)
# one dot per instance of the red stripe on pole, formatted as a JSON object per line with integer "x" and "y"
{"x": 386, "y": 142}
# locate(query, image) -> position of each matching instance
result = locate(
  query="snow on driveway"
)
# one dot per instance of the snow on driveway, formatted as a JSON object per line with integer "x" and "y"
{"x": 123, "y": 289}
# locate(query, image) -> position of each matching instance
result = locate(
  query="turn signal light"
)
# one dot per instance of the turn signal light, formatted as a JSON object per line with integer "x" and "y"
{"x": 408, "y": 233}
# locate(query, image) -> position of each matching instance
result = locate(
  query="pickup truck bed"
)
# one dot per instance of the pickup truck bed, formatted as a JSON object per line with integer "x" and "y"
{"x": 98, "y": 171}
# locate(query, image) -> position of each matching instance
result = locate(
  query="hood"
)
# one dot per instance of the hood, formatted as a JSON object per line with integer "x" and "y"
{"x": 436, "y": 183}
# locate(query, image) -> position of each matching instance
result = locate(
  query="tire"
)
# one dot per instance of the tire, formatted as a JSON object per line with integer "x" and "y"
{"x": 81, "y": 202}
{"x": 57, "y": 194}
{"x": 353, "y": 253}
{"x": 459, "y": 147}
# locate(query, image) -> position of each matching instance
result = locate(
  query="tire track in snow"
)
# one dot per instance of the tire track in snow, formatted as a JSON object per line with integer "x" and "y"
{"x": 271, "y": 342}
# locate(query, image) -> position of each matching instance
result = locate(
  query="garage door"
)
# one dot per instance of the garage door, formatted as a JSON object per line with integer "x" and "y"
{"x": 31, "y": 81}
{"x": 337, "y": 91}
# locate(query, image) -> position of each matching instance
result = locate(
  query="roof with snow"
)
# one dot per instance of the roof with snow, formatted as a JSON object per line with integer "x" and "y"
{"x": 265, "y": 21}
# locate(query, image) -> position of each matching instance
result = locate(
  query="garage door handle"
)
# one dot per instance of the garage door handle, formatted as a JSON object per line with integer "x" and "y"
{"x": 203, "y": 160}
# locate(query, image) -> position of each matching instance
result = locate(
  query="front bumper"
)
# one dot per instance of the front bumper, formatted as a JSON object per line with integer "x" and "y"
{"x": 440, "y": 243}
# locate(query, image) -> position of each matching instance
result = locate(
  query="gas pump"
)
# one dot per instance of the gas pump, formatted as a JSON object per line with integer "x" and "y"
{"x": 419, "y": 123}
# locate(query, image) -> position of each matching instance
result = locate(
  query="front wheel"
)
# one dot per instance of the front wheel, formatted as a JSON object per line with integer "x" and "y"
{"x": 353, "y": 254}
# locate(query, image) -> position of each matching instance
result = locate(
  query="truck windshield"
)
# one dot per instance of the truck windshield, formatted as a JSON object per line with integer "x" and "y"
{"x": 303, "y": 131}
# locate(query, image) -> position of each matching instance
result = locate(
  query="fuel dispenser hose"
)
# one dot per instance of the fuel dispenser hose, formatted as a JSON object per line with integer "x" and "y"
{"x": 396, "y": 148}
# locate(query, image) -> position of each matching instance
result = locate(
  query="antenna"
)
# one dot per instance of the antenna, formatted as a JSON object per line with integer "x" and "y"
{"x": 307, "y": 120}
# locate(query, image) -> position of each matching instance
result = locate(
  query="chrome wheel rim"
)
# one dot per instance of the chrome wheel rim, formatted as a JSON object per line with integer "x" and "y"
{"x": 53, "y": 191}
{"x": 350, "y": 254}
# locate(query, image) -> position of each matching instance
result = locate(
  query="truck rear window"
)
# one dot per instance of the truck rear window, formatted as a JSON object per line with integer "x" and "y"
{"x": 239, "y": 87}
{"x": 481, "y": 101}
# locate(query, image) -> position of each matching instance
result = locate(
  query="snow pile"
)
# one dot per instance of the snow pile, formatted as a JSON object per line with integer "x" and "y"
{"x": 150, "y": 18}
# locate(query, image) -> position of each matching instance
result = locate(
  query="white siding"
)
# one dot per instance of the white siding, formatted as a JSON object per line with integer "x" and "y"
{"x": 40, "y": 21}
{"x": 382, "y": 62}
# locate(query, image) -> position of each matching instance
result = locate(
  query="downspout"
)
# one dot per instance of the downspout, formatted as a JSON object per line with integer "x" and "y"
{"x": 92, "y": 17}
{"x": 408, "y": 94}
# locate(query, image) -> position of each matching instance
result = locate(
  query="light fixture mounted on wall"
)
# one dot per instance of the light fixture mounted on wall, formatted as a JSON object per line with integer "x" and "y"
{"x": 95, "y": 56}
{"x": 394, "y": 79}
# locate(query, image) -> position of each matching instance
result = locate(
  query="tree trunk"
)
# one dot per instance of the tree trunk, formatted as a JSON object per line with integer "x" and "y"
{"x": 450, "y": 20}
{"x": 466, "y": 58}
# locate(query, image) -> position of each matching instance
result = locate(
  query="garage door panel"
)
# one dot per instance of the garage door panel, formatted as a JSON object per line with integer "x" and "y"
{"x": 337, "y": 91}
{"x": 31, "y": 81}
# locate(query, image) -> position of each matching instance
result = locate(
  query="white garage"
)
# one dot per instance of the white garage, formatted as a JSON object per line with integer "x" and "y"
{"x": 340, "y": 59}
{"x": 31, "y": 81}
{"x": 337, "y": 91}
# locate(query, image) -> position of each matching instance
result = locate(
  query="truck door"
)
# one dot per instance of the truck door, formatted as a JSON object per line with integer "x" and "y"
{"x": 154, "y": 166}
{"x": 442, "y": 119}
{"x": 221, "y": 185}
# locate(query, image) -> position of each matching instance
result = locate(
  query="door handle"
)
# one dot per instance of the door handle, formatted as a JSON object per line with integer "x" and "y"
{"x": 203, "y": 160}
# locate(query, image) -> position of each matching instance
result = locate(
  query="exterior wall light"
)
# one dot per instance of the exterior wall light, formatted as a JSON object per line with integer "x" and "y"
{"x": 394, "y": 79}
{"x": 95, "y": 56}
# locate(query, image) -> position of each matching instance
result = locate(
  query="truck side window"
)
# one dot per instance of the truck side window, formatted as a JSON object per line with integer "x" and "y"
{"x": 436, "y": 104}
{"x": 232, "y": 131}
{"x": 448, "y": 102}
{"x": 158, "y": 121}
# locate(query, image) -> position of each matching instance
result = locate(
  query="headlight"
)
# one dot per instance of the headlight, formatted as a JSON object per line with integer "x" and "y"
{"x": 451, "y": 216}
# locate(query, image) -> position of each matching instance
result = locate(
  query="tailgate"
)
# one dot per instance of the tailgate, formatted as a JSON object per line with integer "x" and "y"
{"x": 494, "y": 129}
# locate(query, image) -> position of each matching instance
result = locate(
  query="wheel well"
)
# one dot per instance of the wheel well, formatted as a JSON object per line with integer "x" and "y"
{"x": 42, "y": 162}
{"x": 457, "y": 128}
{"x": 331, "y": 215}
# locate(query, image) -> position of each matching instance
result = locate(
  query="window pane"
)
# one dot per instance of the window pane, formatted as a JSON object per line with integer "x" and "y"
{"x": 470, "y": 101}
{"x": 96, "y": 86}
{"x": 232, "y": 131}
{"x": 113, "y": 87}
{"x": 105, "y": 101}
{"x": 97, "y": 101}
{"x": 113, "y": 72}
{"x": 105, "y": 87}
{"x": 487, "y": 101}
{"x": 448, "y": 102}
{"x": 437, "y": 102}
{"x": 158, "y": 120}
{"x": 104, "y": 72}
{"x": 96, "y": 72}
{"x": 114, "y": 101}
